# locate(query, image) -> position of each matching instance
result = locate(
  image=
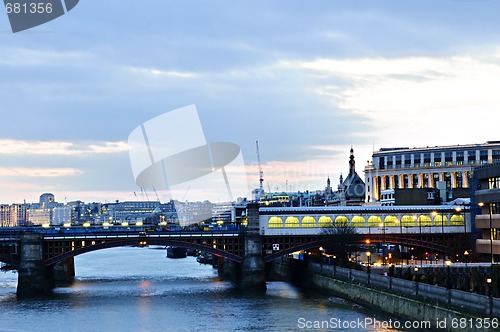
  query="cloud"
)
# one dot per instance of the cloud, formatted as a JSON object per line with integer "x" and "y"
{"x": 24, "y": 147}
{"x": 38, "y": 172}
{"x": 28, "y": 57}
{"x": 153, "y": 72}
{"x": 429, "y": 100}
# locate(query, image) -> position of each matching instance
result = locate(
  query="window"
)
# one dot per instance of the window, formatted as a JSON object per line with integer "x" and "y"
{"x": 471, "y": 157}
{"x": 415, "y": 180}
{"x": 437, "y": 159}
{"x": 427, "y": 159}
{"x": 381, "y": 164}
{"x": 416, "y": 159}
{"x": 389, "y": 161}
{"x": 426, "y": 180}
{"x": 494, "y": 183}
{"x": 496, "y": 155}
{"x": 483, "y": 157}
{"x": 460, "y": 158}
{"x": 448, "y": 158}
{"x": 407, "y": 161}
{"x": 459, "y": 179}
{"x": 398, "y": 161}
{"x": 308, "y": 222}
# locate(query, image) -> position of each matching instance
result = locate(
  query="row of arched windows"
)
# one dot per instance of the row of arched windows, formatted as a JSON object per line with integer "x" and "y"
{"x": 360, "y": 221}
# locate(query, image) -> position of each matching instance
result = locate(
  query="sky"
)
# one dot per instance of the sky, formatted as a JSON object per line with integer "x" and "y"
{"x": 307, "y": 79}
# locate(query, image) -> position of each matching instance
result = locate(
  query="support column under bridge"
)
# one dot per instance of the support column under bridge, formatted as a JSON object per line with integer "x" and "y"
{"x": 34, "y": 277}
{"x": 251, "y": 276}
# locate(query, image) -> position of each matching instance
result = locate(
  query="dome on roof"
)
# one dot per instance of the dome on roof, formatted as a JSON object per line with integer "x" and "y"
{"x": 157, "y": 210}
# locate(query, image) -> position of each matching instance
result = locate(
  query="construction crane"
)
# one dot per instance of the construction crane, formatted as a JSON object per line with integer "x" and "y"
{"x": 261, "y": 174}
{"x": 157, "y": 198}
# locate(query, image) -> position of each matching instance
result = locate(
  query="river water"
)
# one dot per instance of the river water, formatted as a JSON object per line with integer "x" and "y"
{"x": 139, "y": 289}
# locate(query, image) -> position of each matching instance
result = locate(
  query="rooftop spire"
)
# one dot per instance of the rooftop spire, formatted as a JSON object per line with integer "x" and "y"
{"x": 352, "y": 169}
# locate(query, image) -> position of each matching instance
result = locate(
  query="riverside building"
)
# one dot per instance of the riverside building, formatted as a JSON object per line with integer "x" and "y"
{"x": 445, "y": 168}
{"x": 487, "y": 196}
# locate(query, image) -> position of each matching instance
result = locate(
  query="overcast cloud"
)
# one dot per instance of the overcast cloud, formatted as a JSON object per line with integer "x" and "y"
{"x": 308, "y": 79}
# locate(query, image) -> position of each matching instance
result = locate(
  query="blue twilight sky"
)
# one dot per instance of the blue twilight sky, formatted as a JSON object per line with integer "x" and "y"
{"x": 308, "y": 79}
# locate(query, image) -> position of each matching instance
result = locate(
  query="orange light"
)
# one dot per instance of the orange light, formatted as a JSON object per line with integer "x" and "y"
{"x": 367, "y": 241}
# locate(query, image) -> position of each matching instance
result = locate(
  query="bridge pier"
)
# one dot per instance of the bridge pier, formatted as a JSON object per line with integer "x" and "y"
{"x": 64, "y": 272}
{"x": 253, "y": 276}
{"x": 34, "y": 278}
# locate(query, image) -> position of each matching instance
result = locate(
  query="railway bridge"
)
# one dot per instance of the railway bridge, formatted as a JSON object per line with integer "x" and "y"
{"x": 46, "y": 256}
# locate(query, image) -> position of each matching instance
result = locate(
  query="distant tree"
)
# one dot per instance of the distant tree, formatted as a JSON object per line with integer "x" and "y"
{"x": 341, "y": 243}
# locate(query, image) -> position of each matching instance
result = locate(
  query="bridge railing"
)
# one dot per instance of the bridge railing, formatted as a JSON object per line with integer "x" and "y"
{"x": 466, "y": 300}
{"x": 121, "y": 235}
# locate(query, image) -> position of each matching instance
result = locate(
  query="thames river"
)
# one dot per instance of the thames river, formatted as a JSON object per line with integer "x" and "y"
{"x": 139, "y": 289}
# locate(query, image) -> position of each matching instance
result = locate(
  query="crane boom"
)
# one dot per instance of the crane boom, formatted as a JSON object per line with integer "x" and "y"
{"x": 261, "y": 174}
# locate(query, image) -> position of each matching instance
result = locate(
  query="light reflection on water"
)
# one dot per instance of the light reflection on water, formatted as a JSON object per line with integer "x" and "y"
{"x": 139, "y": 289}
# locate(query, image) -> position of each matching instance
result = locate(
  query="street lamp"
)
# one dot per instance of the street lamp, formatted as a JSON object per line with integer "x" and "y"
{"x": 383, "y": 244}
{"x": 448, "y": 279}
{"x": 416, "y": 280}
{"x": 488, "y": 281}
{"x": 334, "y": 266}
{"x": 448, "y": 264}
{"x": 368, "y": 255}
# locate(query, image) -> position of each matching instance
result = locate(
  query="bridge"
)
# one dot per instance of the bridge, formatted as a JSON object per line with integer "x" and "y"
{"x": 443, "y": 229}
{"x": 45, "y": 256}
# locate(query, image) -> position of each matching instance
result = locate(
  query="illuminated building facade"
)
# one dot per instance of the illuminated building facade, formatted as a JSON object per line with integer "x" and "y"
{"x": 401, "y": 168}
{"x": 487, "y": 196}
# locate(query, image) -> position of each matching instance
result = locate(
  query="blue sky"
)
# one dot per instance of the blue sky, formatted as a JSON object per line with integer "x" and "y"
{"x": 308, "y": 79}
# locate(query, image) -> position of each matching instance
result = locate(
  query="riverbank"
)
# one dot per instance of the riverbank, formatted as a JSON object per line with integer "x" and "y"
{"x": 406, "y": 308}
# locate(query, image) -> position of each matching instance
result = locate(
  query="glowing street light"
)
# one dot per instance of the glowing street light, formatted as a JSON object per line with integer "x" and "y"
{"x": 488, "y": 281}
{"x": 448, "y": 264}
{"x": 416, "y": 280}
{"x": 368, "y": 255}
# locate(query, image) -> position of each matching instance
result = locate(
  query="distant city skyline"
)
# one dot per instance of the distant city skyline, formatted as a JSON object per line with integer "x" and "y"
{"x": 307, "y": 80}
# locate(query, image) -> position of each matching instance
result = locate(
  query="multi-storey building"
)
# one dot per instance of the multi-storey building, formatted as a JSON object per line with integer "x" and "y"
{"x": 130, "y": 211}
{"x": 5, "y": 216}
{"x": 46, "y": 199}
{"x": 137, "y": 211}
{"x": 61, "y": 215}
{"x": 39, "y": 217}
{"x": 487, "y": 196}
{"x": 398, "y": 168}
{"x": 18, "y": 214}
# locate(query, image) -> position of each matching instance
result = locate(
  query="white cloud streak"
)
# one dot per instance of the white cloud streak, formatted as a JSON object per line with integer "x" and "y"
{"x": 25, "y": 147}
{"x": 38, "y": 172}
{"x": 25, "y": 57}
{"x": 154, "y": 72}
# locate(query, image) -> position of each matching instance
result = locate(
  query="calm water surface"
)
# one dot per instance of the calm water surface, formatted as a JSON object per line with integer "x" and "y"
{"x": 139, "y": 289}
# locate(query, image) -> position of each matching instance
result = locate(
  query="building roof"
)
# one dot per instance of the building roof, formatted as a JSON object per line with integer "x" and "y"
{"x": 489, "y": 144}
{"x": 354, "y": 186}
